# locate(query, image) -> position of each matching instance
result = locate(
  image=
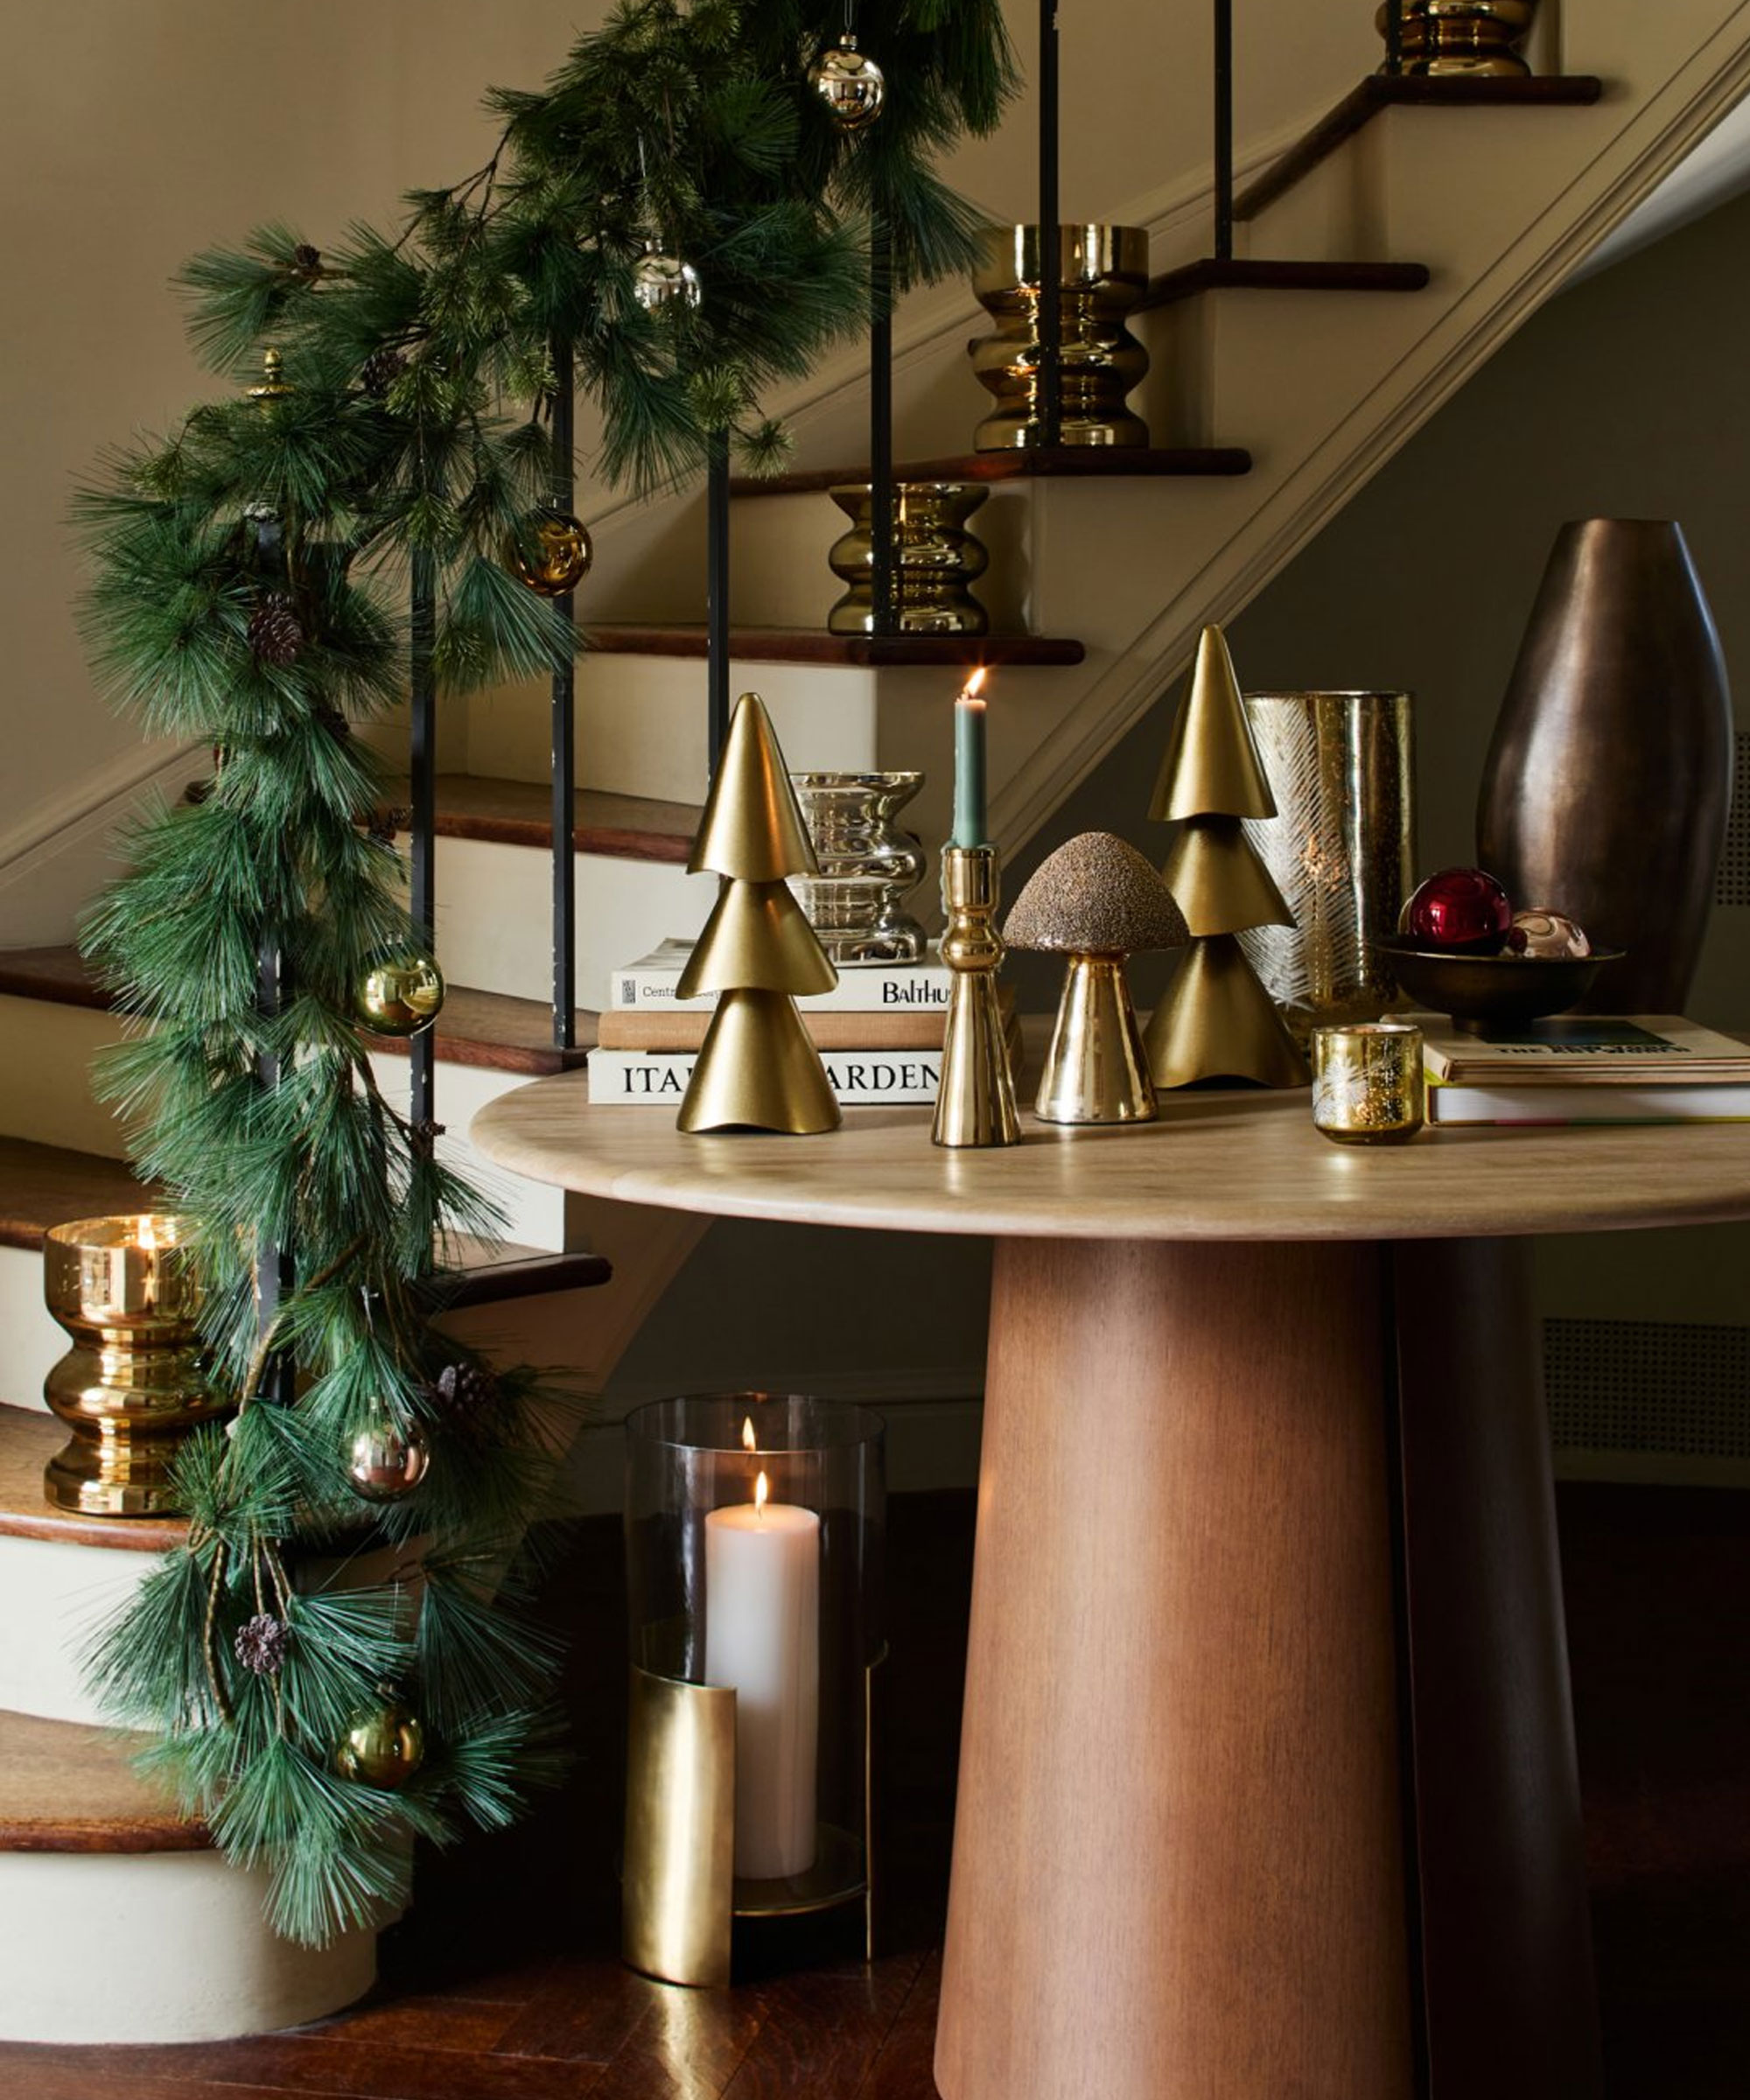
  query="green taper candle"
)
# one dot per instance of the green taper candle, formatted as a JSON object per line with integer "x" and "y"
{"x": 969, "y": 820}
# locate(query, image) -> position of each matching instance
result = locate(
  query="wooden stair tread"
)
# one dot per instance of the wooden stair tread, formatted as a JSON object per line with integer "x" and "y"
{"x": 1416, "y": 91}
{"x": 1248, "y": 274}
{"x": 29, "y": 1439}
{"x": 1066, "y": 462}
{"x": 487, "y": 1029}
{"x": 812, "y": 645}
{"x": 519, "y": 812}
{"x": 492, "y": 1275}
{"x": 66, "y": 1787}
{"x": 45, "y": 1185}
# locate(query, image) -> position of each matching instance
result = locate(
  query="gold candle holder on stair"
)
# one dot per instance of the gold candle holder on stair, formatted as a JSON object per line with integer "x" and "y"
{"x": 975, "y": 1103}
{"x": 1102, "y": 271}
{"x": 1448, "y": 37}
{"x": 132, "y": 1386}
{"x": 936, "y": 560}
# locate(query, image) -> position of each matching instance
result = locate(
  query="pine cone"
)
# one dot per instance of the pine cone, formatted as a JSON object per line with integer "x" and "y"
{"x": 275, "y": 634}
{"x": 334, "y": 722}
{"x": 380, "y": 371}
{"x": 465, "y": 1394}
{"x": 307, "y": 260}
{"x": 261, "y": 1643}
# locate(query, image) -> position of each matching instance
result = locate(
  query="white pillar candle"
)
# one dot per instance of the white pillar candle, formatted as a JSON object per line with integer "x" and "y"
{"x": 762, "y": 1637}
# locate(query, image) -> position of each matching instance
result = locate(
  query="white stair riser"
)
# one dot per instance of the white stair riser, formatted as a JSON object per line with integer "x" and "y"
{"x": 495, "y": 915}
{"x": 641, "y": 719}
{"x": 46, "y": 1053}
{"x": 156, "y": 1947}
{"x": 34, "y": 1341}
{"x": 534, "y": 1213}
{"x": 53, "y": 1597}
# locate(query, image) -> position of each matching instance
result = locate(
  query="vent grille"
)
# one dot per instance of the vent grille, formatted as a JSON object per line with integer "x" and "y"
{"x": 1647, "y": 1385}
{"x": 1733, "y": 883}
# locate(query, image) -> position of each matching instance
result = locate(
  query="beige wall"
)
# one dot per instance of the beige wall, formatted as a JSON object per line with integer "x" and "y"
{"x": 137, "y": 131}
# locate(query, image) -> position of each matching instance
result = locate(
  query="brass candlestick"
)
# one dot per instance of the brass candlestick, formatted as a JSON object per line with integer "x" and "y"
{"x": 132, "y": 1386}
{"x": 974, "y": 1104}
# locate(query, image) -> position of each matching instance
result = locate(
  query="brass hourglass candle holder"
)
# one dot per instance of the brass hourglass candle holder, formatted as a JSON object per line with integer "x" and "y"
{"x": 975, "y": 1103}
{"x": 133, "y": 1385}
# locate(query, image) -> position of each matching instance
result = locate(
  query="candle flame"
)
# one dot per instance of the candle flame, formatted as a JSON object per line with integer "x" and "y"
{"x": 748, "y": 1440}
{"x": 760, "y": 1491}
{"x": 146, "y": 1239}
{"x": 971, "y": 692}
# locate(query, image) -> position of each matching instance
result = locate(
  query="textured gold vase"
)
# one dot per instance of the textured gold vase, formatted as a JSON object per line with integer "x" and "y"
{"x": 935, "y": 559}
{"x": 1340, "y": 848}
{"x": 132, "y": 1386}
{"x": 1474, "y": 37}
{"x": 1102, "y": 271}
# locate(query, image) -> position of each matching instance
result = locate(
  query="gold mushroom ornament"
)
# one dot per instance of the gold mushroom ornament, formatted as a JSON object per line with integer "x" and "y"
{"x": 1097, "y": 901}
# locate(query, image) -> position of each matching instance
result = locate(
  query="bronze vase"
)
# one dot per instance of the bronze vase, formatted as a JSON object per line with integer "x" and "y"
{"x": 1606, "y": 790}
{"x": 936, "y": 559}
{"x": 1463, "y": 36}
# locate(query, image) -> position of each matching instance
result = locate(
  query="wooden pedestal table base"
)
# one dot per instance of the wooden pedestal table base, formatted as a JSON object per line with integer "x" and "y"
{"x": 1267, "y": 1787}
{"x": 1178, "y": 1866}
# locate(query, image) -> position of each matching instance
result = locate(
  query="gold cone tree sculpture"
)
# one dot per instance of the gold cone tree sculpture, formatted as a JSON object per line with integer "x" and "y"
{"x": 1218, "y": 1021}
{"x": 759, "y": 1068}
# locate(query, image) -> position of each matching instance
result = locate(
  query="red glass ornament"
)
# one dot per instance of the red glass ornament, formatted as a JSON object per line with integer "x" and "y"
{"x": 1461, "y": 911}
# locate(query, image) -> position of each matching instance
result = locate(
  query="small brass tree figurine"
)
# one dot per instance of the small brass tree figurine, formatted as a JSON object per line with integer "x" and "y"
{"x": 1218, "y": 1021}
{"x": 759, "y": 1068}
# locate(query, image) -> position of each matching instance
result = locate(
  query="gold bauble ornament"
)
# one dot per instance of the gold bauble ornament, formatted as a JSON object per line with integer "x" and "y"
{"x": 386, "y": 1462}
{"x": 552, "y": 553}
{"x": 399, "y": 994}
{"x": 660, "y": 281}
{"x": 850, "y": 84}
{"x": 383, "y": 1747}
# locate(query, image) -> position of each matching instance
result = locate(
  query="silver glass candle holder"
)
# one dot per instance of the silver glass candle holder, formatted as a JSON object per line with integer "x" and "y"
{"x": 868, "y": 866}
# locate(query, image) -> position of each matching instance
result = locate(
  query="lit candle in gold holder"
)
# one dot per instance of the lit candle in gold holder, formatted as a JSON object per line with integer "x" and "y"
{"x": 1367, "y": 1087}
{"x": 132, "y": 1385}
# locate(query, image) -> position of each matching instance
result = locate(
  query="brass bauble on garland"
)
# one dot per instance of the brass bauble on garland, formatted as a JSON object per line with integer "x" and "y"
{"x": 383, "y": 1747}
{"x": 386, "y": 1462}
{"x": 399, "y": 995}
{"x": 552, "y": 553}
{"x": 663, "y": 282}
{"x": 850, "y": 84}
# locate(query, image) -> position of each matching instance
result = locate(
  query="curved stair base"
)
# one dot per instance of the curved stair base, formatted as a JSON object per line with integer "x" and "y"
{"x": 113, "y": 1947}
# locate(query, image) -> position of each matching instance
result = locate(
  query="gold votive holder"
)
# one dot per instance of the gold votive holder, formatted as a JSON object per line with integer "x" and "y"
{"x": 133, "y": 1384}
{"x": 1368, "y": 1083}
{"x": 974, "y": 1101}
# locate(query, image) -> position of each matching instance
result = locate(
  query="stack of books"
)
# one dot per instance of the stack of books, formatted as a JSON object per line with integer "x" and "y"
{"x": 879, "y": 1031}
{"x": 1587, "y": 1068}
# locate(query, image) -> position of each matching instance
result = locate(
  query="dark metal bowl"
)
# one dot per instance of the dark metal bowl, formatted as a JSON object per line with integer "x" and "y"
{"x": 1481, "y": 993}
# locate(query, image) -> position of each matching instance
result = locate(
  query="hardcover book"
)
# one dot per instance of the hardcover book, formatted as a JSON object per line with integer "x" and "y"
{"x": 886, "y": 988}
{"x": 1586, "y": 1049}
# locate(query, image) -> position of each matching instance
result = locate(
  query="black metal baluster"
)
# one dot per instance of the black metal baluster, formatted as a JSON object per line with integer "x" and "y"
{"x": 883, "y": 596}
{"x": 716, "y": 595}
{"x": 1394, "y": 36}
{"x": 423, "y": 795}
{"x": 1224, "y": 130}
{"x": 274, "y": 1269}
{"x": 1050, "y": 389}
{"x": 564, "y": 735}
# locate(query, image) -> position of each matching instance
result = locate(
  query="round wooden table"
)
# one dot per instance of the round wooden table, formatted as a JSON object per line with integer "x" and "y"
{"x": 1267, "y": 1781}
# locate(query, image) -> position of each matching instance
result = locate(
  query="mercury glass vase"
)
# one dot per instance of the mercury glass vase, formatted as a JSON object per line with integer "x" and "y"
{"x": 936, "y": 560}
{"x": 1342, "y": 848}
{"x": 868, "y": 865}
{"x": 1102, "y": 271}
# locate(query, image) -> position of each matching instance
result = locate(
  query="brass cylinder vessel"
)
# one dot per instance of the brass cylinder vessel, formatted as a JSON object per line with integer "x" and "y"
{"x": 1458, "y": 37}
{"x": 1102, "y": 271}
{"x": 133, "y": 1384}
{"x": 936, "y": 560}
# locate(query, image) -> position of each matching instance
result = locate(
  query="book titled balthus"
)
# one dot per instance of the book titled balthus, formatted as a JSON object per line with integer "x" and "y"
{"x": 1587, "y": 1068}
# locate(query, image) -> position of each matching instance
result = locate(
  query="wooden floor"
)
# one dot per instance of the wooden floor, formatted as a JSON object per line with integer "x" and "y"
{"x": 502, "y": 1985}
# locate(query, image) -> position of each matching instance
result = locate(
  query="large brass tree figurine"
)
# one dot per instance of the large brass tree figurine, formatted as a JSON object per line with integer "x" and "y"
{"x": 1218, "y": 1021}
{"x": 759, "y": 1068}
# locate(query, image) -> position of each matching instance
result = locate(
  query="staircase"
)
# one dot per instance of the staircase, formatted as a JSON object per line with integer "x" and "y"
{"x": 1382, "y": 253}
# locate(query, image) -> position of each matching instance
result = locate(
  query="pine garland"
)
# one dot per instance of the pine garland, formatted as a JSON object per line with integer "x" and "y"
{"x": 248, "y": 592}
